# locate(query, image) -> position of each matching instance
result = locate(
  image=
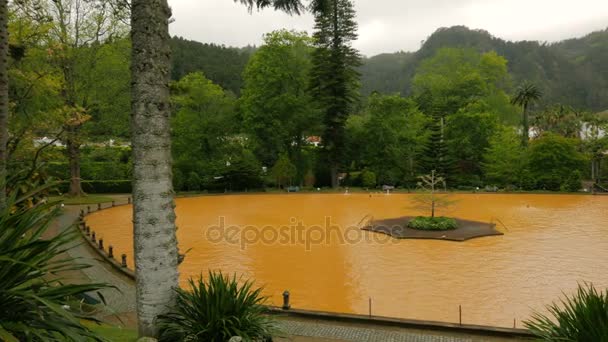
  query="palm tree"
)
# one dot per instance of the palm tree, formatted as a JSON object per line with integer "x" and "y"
{"x": 155, "y": 242}
{"x": 3, "y": 98}
{"x": 525, "y": 95}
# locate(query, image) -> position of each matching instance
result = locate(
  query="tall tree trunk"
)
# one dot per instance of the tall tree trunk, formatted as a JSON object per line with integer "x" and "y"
{"x": 334, "y": 175}
{"x": 156, "y": 254}
{"x": 73, "y": 151}
{"x": 526, "y": 127}
{"x": 3, "y": 98}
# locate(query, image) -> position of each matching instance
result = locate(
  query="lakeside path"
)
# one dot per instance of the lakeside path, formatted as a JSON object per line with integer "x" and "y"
{"x": 121, "y": 303}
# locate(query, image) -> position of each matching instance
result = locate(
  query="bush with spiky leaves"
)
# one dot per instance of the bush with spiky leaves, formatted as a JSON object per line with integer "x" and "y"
{"x": 35, "y": 305}
{"x": 216, "y": 309}
{"x": 582, "y": 317}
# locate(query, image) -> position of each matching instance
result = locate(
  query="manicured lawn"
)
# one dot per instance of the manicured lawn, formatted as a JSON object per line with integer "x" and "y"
{"x": 89, "y": 199}
{"x": 115, "y": 334}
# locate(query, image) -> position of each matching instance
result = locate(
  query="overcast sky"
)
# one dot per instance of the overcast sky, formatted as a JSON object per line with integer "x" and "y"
{"x": 393, "y": 25}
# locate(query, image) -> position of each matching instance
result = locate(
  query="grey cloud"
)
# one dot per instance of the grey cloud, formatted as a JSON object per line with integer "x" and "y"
{"x": 392, "y": 25}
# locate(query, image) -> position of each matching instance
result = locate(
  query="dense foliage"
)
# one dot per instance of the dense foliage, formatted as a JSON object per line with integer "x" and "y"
{"x": 568, "y": 72}
{"x": 223, "y": 65}
{"x": 433, "y": 223}
{"x": 216, "y": 309}
{"x": 275, "y": 115}
{"x": 582, "y": 317}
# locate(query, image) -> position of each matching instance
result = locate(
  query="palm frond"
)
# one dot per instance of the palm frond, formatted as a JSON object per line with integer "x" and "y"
{"x": 35, "y": 304}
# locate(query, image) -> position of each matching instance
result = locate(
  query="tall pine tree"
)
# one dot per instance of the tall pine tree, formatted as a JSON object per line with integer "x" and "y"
{"x": 335, "y": 80}
{"x": 435, "y": 155}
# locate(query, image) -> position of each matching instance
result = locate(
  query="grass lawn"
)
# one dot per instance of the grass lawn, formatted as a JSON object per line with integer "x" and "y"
{"x": 89, "y": 199}
{"x": 113, "y": 333}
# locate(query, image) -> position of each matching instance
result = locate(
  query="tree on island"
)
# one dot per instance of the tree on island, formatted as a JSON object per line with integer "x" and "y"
{"x": 334, "y": 75}
{"x": 430, "y": 197}
{"x": 431, "y": 200}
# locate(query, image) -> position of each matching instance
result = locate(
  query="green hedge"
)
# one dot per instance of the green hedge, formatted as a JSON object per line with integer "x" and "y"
{"x": 433, "y": 223}
{"x": 122, "y": 186}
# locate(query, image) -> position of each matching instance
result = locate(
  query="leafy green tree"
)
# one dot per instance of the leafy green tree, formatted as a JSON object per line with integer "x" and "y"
{"x": 525, "y": 95}
{"x": 394, "y": 135}
{"x": 283, "y": 171}
{"x": 335, "y": 79}
{"x": 552, "y": 159}
{"x": 455, "y": 78}
{"x": 462, "y": 91}
{"x": 204, "y": 124}
{"x": 276, "y": 103}
{"x": 77, "y": 29}
{"x": 468, "y": 133}
{"x": 504, "y": 159}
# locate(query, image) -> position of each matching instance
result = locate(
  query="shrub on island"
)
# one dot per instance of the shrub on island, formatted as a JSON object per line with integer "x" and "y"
{"x": 433, "y": 223}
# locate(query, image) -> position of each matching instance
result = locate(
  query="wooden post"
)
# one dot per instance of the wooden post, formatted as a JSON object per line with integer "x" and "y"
{"x": 111, "y": 251}
{"x": 124, "y": 260}
{"x": 88, "y": 230}
{"x": 101, "y": 244}
{"x": 370, "y": 307}
{"x": 98, "y": 206}
{"x": 93, "y": 237}
{"x": 129, "y": 200}
{"x": 88, "y": 209}
{"x": 460, "y": 314}
{"x": 113, "y": 203}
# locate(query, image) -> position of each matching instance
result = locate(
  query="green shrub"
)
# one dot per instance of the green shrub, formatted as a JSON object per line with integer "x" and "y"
{"x": 121, "y": 186}
{"x": 178, "y": 180}
{"x": 582, "y": 317}
{"x": 433, "y": 223}
{"x": 574, "y": 182}
{"x": 215, "y": 310}
{"x": 368, "y": 179}
{"x": 35, "y": 303}
{"x": 100, "y": 171}
{"x": 193, "y": 182}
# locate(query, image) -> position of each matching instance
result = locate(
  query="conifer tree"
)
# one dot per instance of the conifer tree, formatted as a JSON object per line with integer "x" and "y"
{"x": 435, "y": 155}
{"x": 335, "y": 80}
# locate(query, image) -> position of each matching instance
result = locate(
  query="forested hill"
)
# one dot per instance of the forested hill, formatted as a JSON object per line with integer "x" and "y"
{"x": 572, "y": 72}
{"x": 223, "y": 65}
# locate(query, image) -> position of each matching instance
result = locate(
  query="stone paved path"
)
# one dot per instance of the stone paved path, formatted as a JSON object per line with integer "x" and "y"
{"x": 324, "y": 331}
{"x": 350, "y": 333}
{"x": 120, "y": 299}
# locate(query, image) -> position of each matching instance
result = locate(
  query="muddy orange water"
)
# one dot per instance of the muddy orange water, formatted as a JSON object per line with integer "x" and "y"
{"x": 551, "y": 242}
